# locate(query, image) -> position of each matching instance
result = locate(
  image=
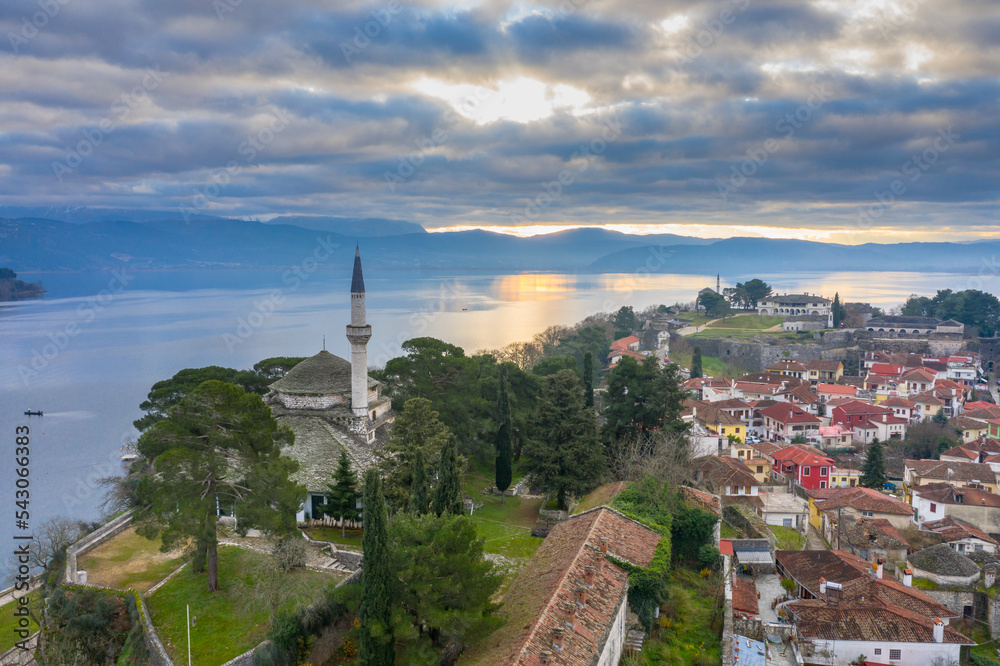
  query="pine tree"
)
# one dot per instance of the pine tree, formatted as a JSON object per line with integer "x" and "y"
{"x": 342, "y": 495}
{"x": 588, "y": 379}
{"x": 448, "y": 493}
{"x": 419, "y": 488}
{"x": 377, "y": 645}
{"x": 416, "y": 427}
{"x": 566, "y": 456}
{"x": 696, "y": 370}
{"x": 505, "y": 452}
{"x": 873, "y": 469}
{"x": 940, "y": 418}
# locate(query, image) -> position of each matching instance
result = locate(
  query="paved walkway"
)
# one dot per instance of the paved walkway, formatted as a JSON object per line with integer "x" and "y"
{"x": 814, "y": 541}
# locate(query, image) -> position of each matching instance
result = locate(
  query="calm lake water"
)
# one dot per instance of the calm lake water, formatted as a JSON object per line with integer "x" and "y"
{"x": 88, "y": 352}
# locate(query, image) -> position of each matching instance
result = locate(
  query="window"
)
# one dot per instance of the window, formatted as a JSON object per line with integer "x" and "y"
{"x": 878, "y": 652}
{"x": 786, "y": 522}
{"x": 933, "y": 507}
{"x": 822, "y": 471}
{"x": 868, "y": 514}
{"x": 979, "y": 546}
{"x": 895, "y": 654}
{"x": 805, "y": 471}
{"x": 760, "y": 469}
{"x": 822, "y": 484}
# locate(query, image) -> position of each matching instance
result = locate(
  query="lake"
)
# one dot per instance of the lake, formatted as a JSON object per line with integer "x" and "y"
{"x": 88, "y": 352}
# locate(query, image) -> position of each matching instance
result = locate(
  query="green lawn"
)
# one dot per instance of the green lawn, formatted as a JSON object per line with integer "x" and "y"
{"x": 599, "y": 497}
{"x": 690, "y": 623}
{"x": 748, "y": 322}
{"x": 506, "y": 527}
{"x": 788, "y": 538}
{"x": 727, "y": 531}
{"x": 711, "y": 366}
{"x": 8, "y": 623}
{"x": 694, "y": 319}
{"x": 351, "y": 538}
{"x": 129, "y": 560}
{"x": 221, "y": 631}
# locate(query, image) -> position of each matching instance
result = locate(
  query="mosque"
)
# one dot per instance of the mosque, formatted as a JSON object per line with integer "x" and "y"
{"x": 332, "y": 405}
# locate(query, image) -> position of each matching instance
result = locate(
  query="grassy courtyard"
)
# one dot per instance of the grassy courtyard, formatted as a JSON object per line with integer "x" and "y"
{"x": 129, "y": 561}
{"x": 8, "y": 623}
{"x": 351, "y": 538}
{"x": 689, "y": 626}
{"x": 749, "y": 322}
{"x": 505, "y": 527}
{"x": 787, "y": 538}
{"x": 711, "y": 366}
{"x": 222, "y": 631}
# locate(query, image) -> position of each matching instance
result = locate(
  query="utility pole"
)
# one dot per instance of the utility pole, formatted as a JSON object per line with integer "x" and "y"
{"x": 189, "y": 632}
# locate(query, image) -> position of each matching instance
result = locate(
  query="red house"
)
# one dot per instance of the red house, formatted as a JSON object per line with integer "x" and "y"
{"x": 855, "y": 412}
{"x": 807, "y": 466}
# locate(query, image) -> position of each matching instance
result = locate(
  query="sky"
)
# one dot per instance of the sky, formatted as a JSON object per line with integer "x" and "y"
{"x": 842, "y": 120}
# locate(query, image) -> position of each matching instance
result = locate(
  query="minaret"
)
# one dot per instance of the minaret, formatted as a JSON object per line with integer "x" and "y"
{"x": 358, "y": 334}
{"x": 718, "y": 283}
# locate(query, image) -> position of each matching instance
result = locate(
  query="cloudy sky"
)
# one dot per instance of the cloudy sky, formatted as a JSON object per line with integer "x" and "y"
{"x": 847, "y": 120}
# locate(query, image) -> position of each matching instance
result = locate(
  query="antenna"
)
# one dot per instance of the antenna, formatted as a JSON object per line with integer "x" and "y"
{"x": 324, "y": 343}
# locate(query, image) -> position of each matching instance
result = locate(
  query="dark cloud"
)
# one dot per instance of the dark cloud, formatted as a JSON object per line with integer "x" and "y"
{"x": 845, "y": 94}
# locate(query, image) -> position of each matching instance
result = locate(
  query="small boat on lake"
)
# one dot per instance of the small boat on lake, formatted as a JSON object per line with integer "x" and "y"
{"x": 33, "y": 412}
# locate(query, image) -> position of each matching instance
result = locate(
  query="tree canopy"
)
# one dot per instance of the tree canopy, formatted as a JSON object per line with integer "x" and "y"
{"x": 565, "y": 457}
{"x": 641, "y": 398}
{"x": 873, "y": 469}
{"x": 218, "y": 447}
{"x": 342, "y": 495}
{"x": 379, "y": 582}
{"x": 416, "y": 427}
{"x": 167, "y": 393}
{"x": 977, "y": 309}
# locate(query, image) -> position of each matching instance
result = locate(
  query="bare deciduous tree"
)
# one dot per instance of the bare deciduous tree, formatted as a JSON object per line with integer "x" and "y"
{"x": 667, "y": 456}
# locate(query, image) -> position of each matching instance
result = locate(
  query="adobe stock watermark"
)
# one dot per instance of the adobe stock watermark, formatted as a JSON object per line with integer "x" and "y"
{"x": 714, "y": 28}
{"x": 409, "y": 164}
{"x": 120, "y": 109}
{"x": 418, "y": 323}
{"x": 625, "y": 287}
{"x": 266, "y": 307}
{"x": 36, "y": 22}
{"x": 583, "y": 156}
{"x": 363, "y": 35}
{"x": 912, "y": 170}
{"x": 85, "y": 313}
{"x": 250, "y": 147}
{"x": 740, "y": 172}
{"x": 894, "y": 16}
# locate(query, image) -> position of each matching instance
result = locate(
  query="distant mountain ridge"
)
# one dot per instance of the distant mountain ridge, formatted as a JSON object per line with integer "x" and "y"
{"x": 152, "y": 242}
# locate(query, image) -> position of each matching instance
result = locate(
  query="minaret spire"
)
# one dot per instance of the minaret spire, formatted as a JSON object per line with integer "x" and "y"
{"x": 718, "y": 283}
{"x": 358, "y": 334}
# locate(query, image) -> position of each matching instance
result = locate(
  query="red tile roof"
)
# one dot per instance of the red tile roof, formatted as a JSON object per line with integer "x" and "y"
{"x": 784, "y": 412}
{"x": 744, "y": 595}
{"x": 864, "y": 499}
{"x": 953, "y": 529}
{"x": 886, "y": 369}
{"x": 815, "y": 619}
{"x": 801, "y": 456}
{"x": 702, "y": 499}
{"x": 839, "y": 389}
{"x": 942, "y": 493}
{"x": 895, "y": 401}
{"x": 950, "y": 469}
{"x": 535, "y": 603}
{"x": 918, "y": 375}
{"x": 623, "y": 343}
{"x": 825, "y": 366}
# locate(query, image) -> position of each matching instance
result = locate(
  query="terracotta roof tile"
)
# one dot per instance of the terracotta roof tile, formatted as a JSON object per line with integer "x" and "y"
{"x": 744, "y": 595}
{"x": 816, "y": 619}
{"x": 950, "y": 469}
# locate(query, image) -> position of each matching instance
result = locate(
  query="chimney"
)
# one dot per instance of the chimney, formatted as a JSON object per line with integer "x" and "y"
{"x": 570, "y": 613}
{"x": 938, "y": 630}
{"x": 908, "y": 577}
{"x": 544, "y": 657}
{"x": 588, "y": 575}
{"x": 879, "y": 564}
{"x": 557, "y": 638}
{"x": 822, "y": 587}
{"x": 581, "y": 595}
{"x": 604, "y": 545}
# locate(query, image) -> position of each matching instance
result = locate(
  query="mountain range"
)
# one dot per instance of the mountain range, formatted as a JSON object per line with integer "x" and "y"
{"x": 75, "y": 239}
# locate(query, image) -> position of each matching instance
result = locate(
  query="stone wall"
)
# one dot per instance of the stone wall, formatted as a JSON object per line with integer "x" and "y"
{"x": 955, "y": 600}
{"x": 348, "y": 558}
{"x": 758, "y": 354}
{"x": 749, "y": 627}
{"x": 92, "y": 540}
{"x": 309, "y": 401}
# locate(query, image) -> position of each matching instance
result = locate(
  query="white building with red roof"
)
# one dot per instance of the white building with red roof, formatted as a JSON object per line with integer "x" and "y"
{"x": 784, "y": 421}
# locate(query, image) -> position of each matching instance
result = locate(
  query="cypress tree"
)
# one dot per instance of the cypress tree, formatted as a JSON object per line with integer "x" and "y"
{"x": 505, "y": 452}
{"x": 448, "y": 493}
{"x": 342, "y": 495}
{"x": 419, "y": 490}
{"x": 588, "y": 378}
{"x": 696, "y": 370}
{"x": 837, "y": 310}
{"x": 873, "y": 469}
{"x": 377, "y": 646}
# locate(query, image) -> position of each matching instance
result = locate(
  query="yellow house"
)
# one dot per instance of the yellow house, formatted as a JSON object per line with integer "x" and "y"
{"x": 815, "y": 519}
{"x": 844, "y": 478}
{"x": 741, "y": 450}
{"x": 760, "y": 468}
{"x": 722, "y": 423}
{"x": 826, "y": 372}
{"x": 971, "y": 429}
